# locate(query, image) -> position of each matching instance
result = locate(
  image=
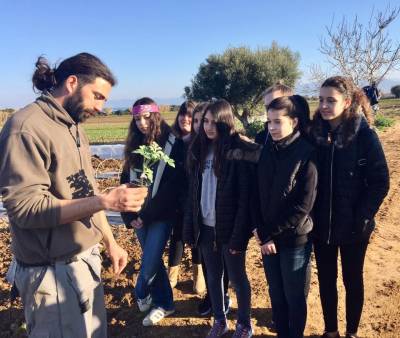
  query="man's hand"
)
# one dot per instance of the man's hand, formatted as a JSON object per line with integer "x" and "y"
{"x": 124, "y": 198}
{"x": 268, "y": 248}
{"x": 118, "y": 256}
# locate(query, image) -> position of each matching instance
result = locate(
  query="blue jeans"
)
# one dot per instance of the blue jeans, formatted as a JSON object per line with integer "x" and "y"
{"x": 288, "y": 274}
{"x": 153, "y": 278}
{"x": 215, "y": 259}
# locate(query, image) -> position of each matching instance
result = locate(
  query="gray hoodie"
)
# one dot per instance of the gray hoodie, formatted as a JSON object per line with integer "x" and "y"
{"x": 45, "y": 158}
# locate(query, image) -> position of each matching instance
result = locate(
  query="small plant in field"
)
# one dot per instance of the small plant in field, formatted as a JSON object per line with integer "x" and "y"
{"x": 383, "y": 122}
{"x": 151, "y": 155}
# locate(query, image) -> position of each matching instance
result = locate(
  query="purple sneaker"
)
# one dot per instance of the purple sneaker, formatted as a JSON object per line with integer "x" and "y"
{"x": 243, "y": 331}
{"x": 219, "y": 328}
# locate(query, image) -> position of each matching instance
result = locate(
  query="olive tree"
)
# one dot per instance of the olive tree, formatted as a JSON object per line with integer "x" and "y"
{"x": 240, "y": 75}
{"x": 395, "y": 90}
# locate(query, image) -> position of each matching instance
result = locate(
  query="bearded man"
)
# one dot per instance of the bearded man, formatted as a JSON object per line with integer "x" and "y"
{"x": 56, "y": 213}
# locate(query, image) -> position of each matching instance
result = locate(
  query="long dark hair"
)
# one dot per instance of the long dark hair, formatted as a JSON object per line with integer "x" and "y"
{"x": 359, "y": 104}
{"x": 296, "y": 106}
{"x": 200, "y": 108}
{"x": 186, "y": 108}
{"x": 86, "y": 67}
{"x": 136, "y": 138}
{"x": 222, "y": 112}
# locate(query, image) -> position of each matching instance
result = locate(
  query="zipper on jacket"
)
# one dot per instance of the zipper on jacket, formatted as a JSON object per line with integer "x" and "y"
{"x": 330, "y": 192}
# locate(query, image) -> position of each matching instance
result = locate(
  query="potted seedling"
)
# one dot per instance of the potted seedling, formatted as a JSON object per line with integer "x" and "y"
{"x": 152, "y": 154}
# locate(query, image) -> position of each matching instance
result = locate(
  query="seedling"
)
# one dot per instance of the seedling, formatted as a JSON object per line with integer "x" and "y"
{"x": 151, "y": 155}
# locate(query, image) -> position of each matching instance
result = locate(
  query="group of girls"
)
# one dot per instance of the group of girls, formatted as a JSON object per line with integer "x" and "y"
{"x": 313, "y": 183}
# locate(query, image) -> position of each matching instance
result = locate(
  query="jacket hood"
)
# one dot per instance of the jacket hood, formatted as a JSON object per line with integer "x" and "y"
{"x": 53, "y": 109}
{"x": 342, "y": 135}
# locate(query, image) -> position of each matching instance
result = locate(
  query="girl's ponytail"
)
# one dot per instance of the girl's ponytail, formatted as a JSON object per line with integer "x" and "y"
{"x": 43, "y": 78}
{"x": 302, "y": 112}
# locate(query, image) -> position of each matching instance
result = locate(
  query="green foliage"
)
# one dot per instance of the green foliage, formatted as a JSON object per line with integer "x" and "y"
{"x": 395, "y": 90}
{"x": 121, "y": 112}
{"x": 240, "y": 75}
{"x": 383, "y": 122}
{"x": 254, "y": 128}
{"x": 151, "y": 155}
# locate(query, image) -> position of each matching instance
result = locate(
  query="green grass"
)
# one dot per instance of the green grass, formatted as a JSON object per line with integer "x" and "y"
{"x": 99, "y": 134}
{"x": 382, "y": 122}
{"x": 114, "y": 129}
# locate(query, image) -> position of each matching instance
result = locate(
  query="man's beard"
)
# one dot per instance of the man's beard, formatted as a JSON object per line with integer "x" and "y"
{"x": 74, "y": 107}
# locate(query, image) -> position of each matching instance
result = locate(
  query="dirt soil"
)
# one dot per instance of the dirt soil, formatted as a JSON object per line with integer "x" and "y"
{"x": 381, "y": 316}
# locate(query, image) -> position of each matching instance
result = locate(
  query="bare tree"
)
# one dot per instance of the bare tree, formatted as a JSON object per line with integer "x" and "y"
{"x": 364, "y": 53}
{"x": 315, "y": 76}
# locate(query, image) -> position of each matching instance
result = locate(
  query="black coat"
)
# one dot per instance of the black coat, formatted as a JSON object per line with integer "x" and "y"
{"x": 232, "y": 200}
{"x": 353, "y": 181}
{"x": 167, "y": 204}
{"x": 286, "y": 189}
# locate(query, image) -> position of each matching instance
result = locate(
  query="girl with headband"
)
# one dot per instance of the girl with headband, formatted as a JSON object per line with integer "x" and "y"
{"x": 154, "y": 222}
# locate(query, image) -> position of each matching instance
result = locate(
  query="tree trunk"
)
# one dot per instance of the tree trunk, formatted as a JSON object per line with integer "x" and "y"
{"x": 243, "y": 118}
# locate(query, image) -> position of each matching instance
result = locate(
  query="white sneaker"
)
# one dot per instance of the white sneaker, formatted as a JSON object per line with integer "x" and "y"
{"x": 144, "y": 304}
{"x": 156, "y": 315}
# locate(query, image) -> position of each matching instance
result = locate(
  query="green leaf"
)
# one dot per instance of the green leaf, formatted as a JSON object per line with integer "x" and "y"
{"x": 152, "y": 153}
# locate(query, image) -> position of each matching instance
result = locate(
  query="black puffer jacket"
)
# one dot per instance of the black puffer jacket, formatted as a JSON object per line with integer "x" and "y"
{"x": 232, "y": 199}
{"x": 167, "y": 204}
{"x": 353, "y": 181}
{"x": 286, "y": 191}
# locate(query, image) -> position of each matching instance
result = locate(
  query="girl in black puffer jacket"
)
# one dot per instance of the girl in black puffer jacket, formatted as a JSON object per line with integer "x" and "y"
{"x": 353, "y": 181}
{"x": 286, "y": 189}
{"x": 216, "y": 218}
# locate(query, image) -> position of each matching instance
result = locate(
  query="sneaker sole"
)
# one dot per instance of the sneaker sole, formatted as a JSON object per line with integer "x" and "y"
{"x": 149, "y": 323}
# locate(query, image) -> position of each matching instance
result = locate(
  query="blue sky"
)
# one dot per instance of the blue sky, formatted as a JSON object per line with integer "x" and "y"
{"x": 155, "y": 47}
